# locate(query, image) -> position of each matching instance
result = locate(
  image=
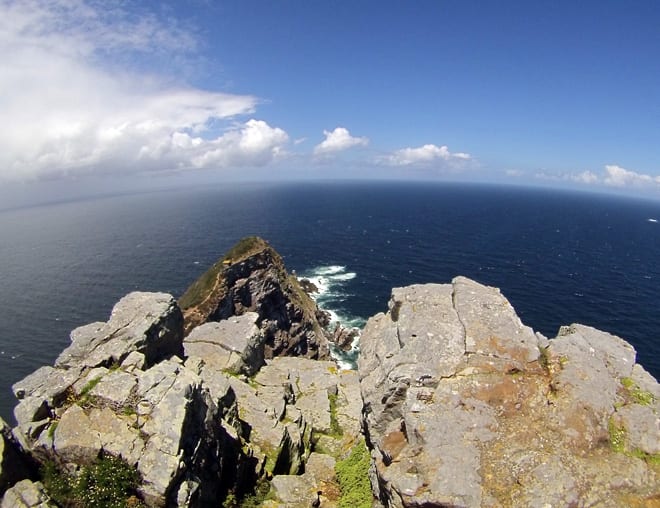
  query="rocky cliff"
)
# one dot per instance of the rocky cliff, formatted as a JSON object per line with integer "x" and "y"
{"x": 251, "y": 277}
{"x": 457, "y": 402}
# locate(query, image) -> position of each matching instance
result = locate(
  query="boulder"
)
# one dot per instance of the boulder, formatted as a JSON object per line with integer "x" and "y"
{"x": 27, "y": 494}
{"x": 466, "y": 406}
{"x": 235, "y": 345}
{"x": 147, "y": 323}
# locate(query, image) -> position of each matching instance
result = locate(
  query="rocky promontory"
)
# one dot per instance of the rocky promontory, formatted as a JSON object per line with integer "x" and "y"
{"x": 227, "y": 398}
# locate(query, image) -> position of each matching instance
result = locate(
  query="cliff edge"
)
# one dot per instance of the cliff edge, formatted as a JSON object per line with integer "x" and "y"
{"x": 466, "y": 406}
{"x": 456, "y": 403}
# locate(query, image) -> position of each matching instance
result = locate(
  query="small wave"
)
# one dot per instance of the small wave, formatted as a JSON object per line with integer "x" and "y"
{"x": 652, "y": 220}
{"x": 330, "y": 282}
{"x": 328, "y": 270}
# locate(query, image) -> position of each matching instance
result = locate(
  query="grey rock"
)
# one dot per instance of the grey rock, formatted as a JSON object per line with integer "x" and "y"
{"x": 27, "y": 494}
{"x": 466, "y": 406}
{"x": 235, "y": 344}
{"x": 149, "y": 323}
{"x": 75, "y": 440}
{"x": 42, "y": 391}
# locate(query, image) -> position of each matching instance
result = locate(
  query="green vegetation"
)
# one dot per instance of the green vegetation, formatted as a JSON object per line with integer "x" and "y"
{"x": 353, "y": 476}
{"x": 253, "y": 500}
{"x": 335, "y": 428}
{"x": 618, "y": 444}
{"x": 107, "y": 483}
{"x": 640, "y": 396}
{"x": 199, "y": 289}
{"x": 617, "y": 436}
{"x": 52, "y": 429}
{"x": 245, "y": 247}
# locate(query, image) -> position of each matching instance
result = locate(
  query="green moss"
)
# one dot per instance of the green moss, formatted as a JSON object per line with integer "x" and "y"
{"x": 653, "y": 459}
{"x": 335, "y": 428}
{"x": 638, "y": 395}
{"x": 353, "y": 476}
{"x": 617, "y": 436}
{"x": 107, "y": 483}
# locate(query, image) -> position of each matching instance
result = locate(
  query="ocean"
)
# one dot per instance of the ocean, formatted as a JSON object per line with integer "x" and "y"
{"x": 559, "y": 257}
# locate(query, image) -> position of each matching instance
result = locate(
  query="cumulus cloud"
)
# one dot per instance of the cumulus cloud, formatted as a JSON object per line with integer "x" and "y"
{"x": 424, "y": 155}
{"x": 338, "y": 140}
{"x": 72, "y": 101}
{"x": 616, "y": 176}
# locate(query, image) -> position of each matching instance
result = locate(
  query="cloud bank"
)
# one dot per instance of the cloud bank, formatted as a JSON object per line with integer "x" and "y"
{"x": 425, "y": 155}
{"x": 612, "y": 176}
{"x": 338, "y": 140}
{"x": 73, "y": 103}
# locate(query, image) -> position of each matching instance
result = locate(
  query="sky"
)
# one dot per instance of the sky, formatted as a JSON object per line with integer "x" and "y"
{"x": 557, "y": 93}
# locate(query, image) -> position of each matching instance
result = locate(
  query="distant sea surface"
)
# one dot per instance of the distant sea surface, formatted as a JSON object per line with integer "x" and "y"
{"x": 558, "y": 257}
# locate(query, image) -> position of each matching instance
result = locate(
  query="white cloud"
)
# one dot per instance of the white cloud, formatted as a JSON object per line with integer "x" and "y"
{"x": 613, "y": 176}
{"x": 71, "y": 102}
{"x": 616, "y": 176}
{"x": 587, "y": 177}
{"x": 424, "y": 155}
{"x": 514, "y": 173}
{"x": 338, "y": 140}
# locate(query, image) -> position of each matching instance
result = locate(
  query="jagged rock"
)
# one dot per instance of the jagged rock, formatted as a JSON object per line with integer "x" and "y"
{"x": 343, "y": 337}
{"x": 13, "y": 463}
{"x": 252, "y": 278}
{"x": 149, "y": 323}
{"x": 466, "y": 406}
{"x": 235, "y": 345}
{"x": 27, "y": 494}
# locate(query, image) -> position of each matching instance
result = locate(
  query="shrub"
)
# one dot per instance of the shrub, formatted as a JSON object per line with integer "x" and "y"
{"x": 107, "y": 483}
{"x": 353, "y": 476}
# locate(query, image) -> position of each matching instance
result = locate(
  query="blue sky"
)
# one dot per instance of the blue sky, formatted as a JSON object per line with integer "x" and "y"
{"x": 559, "y": 93}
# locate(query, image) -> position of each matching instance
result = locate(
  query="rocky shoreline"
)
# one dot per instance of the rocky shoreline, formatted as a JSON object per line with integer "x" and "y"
{"x": 228, "y": 398}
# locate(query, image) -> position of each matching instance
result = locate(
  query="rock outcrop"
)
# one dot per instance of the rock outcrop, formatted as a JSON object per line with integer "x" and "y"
{"x": 120, "y": 390}
{"x": 459, "y": 403}
{"x": 466, "y": 406}
{"x": 251, "y": 278}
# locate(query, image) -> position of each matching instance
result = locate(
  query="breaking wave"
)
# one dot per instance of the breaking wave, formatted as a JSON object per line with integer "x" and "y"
{"x": 331, "y": 284}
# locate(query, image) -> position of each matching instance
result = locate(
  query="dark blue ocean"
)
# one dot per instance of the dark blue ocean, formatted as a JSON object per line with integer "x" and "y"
{"x": 559, "y": 257}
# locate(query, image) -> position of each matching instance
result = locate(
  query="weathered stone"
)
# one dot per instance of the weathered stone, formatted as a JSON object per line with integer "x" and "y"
{"x": 27, "y": 494}
{"x": 42, "y": 391}
{"x": 118, "y": 435}
{"x": 235, "y": 344}
{"x": 149, "y": 323}
{"x": 116, "y": 388}
{"x": 474, "y": 409}
{"x": 75, "y": 439}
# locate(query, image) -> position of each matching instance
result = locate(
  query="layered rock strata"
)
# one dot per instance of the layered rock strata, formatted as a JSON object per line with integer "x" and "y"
{"x": 466, "y": 406}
